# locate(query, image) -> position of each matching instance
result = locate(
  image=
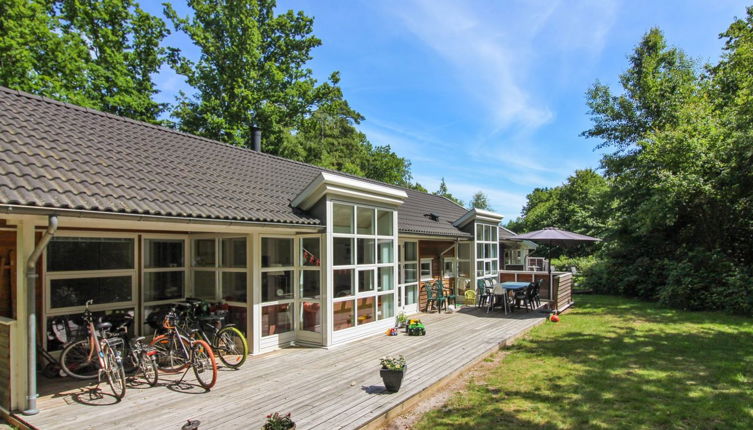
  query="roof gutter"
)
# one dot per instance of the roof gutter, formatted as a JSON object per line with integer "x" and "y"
{"x": 31, "y": 346}
{"x": 82, "y": 213}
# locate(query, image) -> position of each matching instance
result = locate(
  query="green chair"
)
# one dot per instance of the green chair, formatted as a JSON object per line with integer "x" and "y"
{"x": 440, "y": 297}
{"x": 452, "y": 297}
{"x": 429, "y": 296}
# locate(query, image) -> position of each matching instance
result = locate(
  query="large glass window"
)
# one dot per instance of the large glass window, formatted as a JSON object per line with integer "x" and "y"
{"x": 276, "y": 319}
{"x": 66, "y": 293}
{"x": 234, "y": 286}
{"x": 487, "y": 250}
{"x": 364, "y": 262}
{"x": 224, "y": 278}
{"x": 164, "y": 269}
{"x": 89, "y": 253}
{"x": 163, "y": 285}
{"x": 409, "y": 274}
{"x": 276, "y": 252}
{"x": 311, "y": 317}
{"x": 276, "y": 286}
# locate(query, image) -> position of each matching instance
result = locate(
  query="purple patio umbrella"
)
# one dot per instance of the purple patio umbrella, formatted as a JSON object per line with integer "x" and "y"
{"x": 554, "y": 236}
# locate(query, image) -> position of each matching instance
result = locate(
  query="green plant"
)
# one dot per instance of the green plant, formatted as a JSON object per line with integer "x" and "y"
{"x": 392, "y": 363}
{"x": 277, "y": 421}
{"x": 401, "y": 318}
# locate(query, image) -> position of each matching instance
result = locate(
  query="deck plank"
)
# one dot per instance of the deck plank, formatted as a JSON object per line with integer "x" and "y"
{"x": 335, "y": 388}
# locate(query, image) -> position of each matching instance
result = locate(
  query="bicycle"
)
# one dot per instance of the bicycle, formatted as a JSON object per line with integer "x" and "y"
{"x": 227, "y": 342}
{"x": 142, "y": 356}
{"x": 177, "y": 351}
{"x": 98, "y": 353}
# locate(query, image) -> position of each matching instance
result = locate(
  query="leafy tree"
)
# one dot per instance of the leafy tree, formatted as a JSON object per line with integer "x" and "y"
{"x": 94, "y": 53}
{"x": 479, "y": 201}
{"x": 444, "y": 192}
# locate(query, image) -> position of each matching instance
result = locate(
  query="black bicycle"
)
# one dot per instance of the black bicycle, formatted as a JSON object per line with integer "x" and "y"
{"x": 144, "y": 359}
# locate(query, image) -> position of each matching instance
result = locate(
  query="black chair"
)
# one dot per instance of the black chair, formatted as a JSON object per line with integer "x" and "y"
{"x": 535, "y": 298}
{"x": 524, "y": 295}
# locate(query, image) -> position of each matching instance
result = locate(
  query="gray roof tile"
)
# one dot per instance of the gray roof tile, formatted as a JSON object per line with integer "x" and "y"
{"x": 58, "y": 155}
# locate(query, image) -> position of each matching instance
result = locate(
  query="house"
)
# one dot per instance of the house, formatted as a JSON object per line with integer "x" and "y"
{"x": 136, "y": 216}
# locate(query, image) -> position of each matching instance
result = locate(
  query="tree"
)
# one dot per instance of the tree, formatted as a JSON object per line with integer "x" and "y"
{"x": 444, "y": 192}
{"x": 93, "y": 53}
{"x": 479, "y": 201}
{"x": 252, "y": 72}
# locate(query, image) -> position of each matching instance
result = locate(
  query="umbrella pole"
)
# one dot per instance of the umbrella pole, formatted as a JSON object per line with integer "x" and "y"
{"x": 551, "y": 284}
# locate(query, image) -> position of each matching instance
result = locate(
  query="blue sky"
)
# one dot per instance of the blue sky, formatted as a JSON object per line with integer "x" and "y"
{"x": 488, "y": 94}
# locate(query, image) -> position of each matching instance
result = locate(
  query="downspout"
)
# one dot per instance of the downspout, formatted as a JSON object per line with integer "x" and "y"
{"x": 31, "y": 282}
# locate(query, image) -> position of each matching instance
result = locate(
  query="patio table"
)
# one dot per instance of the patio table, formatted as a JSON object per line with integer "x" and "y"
{"x": 502, "y": 288}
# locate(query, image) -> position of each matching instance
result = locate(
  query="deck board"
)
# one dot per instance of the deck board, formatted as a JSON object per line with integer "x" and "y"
{"x": 335, "y": 388}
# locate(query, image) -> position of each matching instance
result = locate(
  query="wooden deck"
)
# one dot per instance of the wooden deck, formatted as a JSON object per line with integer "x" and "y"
{"x": 337, "y": 388}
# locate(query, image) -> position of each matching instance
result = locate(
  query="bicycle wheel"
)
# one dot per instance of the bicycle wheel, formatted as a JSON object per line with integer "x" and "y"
{"x": 148, "y": 368}
{"x": 204, "y": 365}
{"x": 171, "y": 358}
{"x": 78, "y": 361}
{"x": 114, "y": 371}
{"x": 231, "y": 347}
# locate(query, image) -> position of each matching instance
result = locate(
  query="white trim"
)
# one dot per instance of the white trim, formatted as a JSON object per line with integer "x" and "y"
{"x": 327, "y": 183}
{"x": 478, "y": 215}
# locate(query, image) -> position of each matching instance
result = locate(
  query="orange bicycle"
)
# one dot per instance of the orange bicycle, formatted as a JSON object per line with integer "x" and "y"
{"x": 177, "y": 351}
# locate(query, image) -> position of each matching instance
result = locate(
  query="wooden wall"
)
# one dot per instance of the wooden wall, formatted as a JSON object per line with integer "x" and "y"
{"x": 5, "y": 370}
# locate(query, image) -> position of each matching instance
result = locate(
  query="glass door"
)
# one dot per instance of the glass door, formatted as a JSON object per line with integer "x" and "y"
{"x": 408, "y": 277}
{"x": 308, "y": 295}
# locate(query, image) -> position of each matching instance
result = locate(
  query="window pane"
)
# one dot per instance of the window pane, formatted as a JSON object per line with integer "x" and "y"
{"x": 488, "y": 268}
{"x": 204, "y": 283}
{"x": 75, "y": 292}
{"x": 384, "y": 251}
{"x": 365, "y": 280}
{"x": 386, "y": 306}
{"x": 411, "y": 294}
{"x": 426, "y": 270}
{"x": 386, "y": 279}
{"x": 410, "y": 251}
{"x": 487, "y": 233}
{"x": 479, "y": 268}
{"x": 342, "y": 218}
{"x": 494, "y": 267}
{"x": 411, "y": 272}
{"x": 310, "y": 284}
{"x": 343, "y": 314}
{"x": 342, "y": 281}
{"x": 479, "y": 232}
{"x": 234, "y": 252}
{"x": 464, "y": 251}
{"x": 494, "y": 248}
{"x": 365, "y": 221}
{"x": 89, "y": 253}
{"x": 311, "y": 317}
{"x": 495, "y": 229}
{"x": 310, "y": 252}
{"x": 342, "y": 251}
{"x": 366, "y": 311}
{"x": 464, "y": 269}
{"x": 163, "y": 285}
{"x": 276, "y": 252}
{"x": 204, "y": 253}
{"x": 384, "y": 223}
{"x": 237, "y": 315}
{"x": 276, "y": 286}
{"x": 487, "y": 250}
{"x": 276, "y": 319}
{"x": 366, "y": 251}
{"x": 234, "y": 286}
{"x": 163, "y": 253}
{"x": 62, "y": 329}
{"x": 479, "y": 250}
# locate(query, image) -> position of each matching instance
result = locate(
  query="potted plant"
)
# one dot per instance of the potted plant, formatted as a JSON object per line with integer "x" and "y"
{"x": 400, "y": 320}
{"x": 392, "y": 372}
{"x": 277, "y": 421}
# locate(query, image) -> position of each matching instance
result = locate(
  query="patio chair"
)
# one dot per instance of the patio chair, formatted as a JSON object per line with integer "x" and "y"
{"x": 524, "y": 296}
{"x": 440, "y": 298}
{"x": 429, "y": 296}
{"x": 482, "y": 295}
{"x": 452, "y": 297}
{"x": 470, "y": 297}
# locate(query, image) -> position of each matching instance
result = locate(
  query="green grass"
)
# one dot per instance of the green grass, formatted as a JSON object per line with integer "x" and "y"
{"x": 615, "y": 363}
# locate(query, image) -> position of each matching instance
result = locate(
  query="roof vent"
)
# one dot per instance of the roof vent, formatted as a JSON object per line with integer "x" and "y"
{"x": 432, "y": 216}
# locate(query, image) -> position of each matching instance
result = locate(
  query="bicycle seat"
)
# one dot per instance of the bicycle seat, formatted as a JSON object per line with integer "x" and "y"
{"x": 140, "y": 338}
{"x": 103, "y": 326}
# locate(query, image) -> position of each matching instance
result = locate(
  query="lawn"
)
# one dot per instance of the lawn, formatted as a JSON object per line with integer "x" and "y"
{"x": 615, "y": 363}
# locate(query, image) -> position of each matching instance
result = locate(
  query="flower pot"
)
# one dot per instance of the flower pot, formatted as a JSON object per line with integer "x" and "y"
{"x": 393, "y": 378}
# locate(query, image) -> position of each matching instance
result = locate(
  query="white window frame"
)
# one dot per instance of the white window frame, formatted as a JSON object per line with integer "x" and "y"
{"x": 362, "y": 267}
{"x": 488, "y": 233}
{"x": 421, "y": 272}
{"x": 404, "y": 285}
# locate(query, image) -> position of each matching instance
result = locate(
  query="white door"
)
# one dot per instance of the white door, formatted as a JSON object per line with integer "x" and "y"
{"x": 408, "y": 277}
